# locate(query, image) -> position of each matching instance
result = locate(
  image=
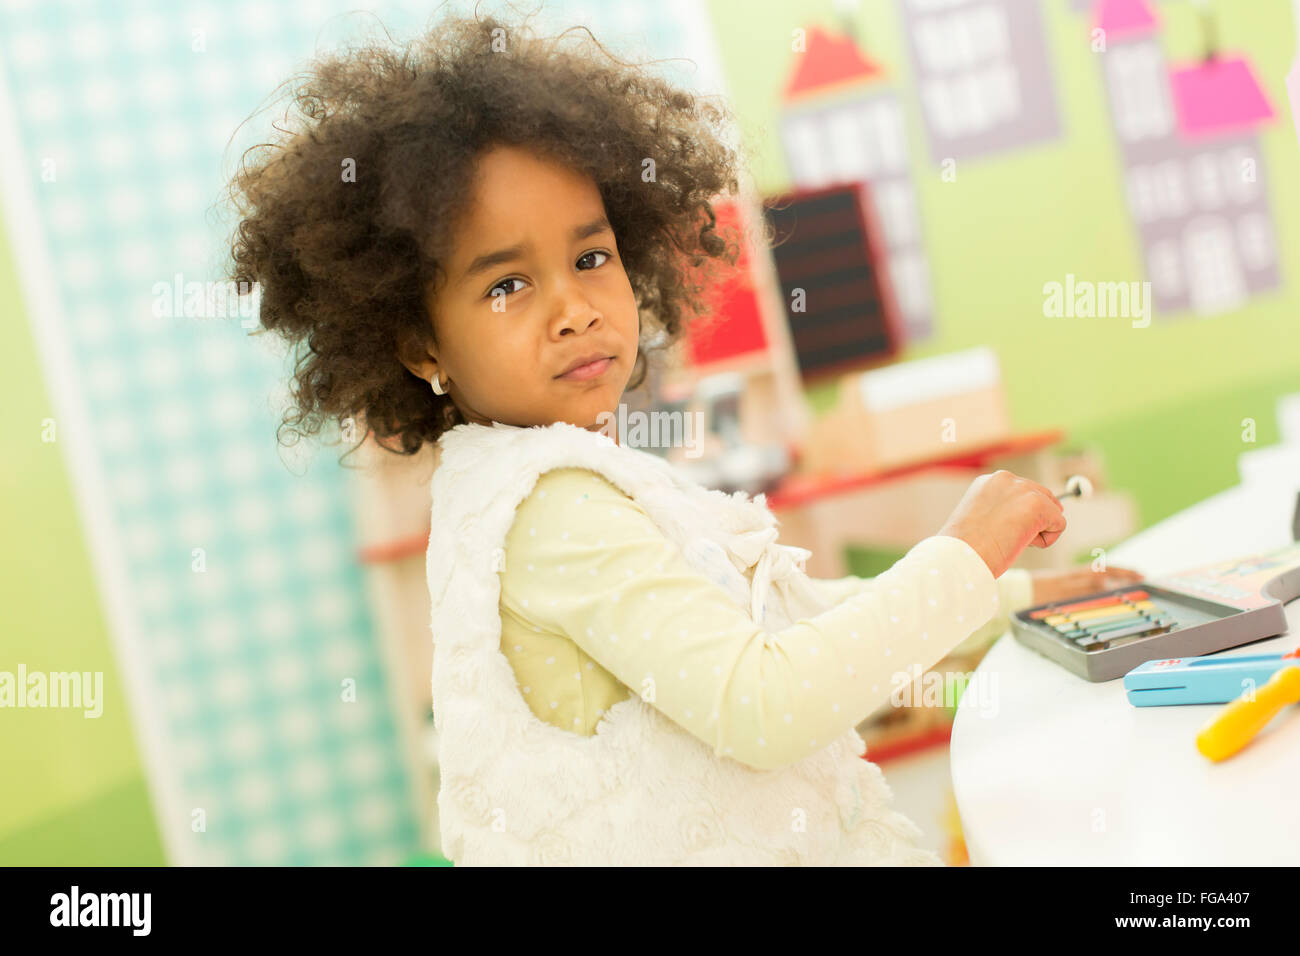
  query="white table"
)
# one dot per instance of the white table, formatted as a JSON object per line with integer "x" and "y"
{"x": 1049, "y": 769}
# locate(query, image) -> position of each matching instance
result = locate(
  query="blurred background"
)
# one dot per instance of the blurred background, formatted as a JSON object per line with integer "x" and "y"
{"x": 1056, "y": 236}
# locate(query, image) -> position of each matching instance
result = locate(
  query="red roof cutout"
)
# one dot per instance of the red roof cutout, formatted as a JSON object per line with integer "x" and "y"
{"x": 1123, "y": 17}
{"x": 829, "y": 61}
{"x": 1218, "y": 96}
{"x": 735, "y": 325}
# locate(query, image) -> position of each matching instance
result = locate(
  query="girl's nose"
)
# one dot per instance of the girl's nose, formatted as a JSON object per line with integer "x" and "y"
{"x": 577, "y": 324}
{"x": 575, "y": 312}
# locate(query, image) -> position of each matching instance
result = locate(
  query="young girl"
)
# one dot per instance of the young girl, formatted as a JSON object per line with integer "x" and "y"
{"x": 477, "y": 238}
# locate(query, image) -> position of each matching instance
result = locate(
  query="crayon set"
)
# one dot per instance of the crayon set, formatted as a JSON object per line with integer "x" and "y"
{"x": 1193, "y": 613}
{"x": 1107, "y": 621}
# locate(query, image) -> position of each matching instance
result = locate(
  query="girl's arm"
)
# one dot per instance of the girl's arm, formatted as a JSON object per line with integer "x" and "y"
{"x": 588, "y": 562}
{"x": 1015, "y": 592}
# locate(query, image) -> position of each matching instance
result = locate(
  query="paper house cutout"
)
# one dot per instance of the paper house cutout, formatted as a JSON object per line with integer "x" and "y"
{"x": 1120, "y": 18}
{"x": 829, "y": 62}
{"x": 1218, "y": 96}
{"x": 982, "y": 74}
{"x": 1194, "y": 173}
{"x": 842, "y": 122}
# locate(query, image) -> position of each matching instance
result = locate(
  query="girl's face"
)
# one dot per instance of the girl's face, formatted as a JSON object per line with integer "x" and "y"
{"x": 533, "y": 285}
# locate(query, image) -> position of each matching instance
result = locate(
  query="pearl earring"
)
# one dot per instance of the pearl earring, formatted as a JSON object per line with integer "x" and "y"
{"x": 437, "y": 385}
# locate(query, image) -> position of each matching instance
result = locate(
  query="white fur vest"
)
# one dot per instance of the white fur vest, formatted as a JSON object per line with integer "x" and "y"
{"x": 516, "y": 790}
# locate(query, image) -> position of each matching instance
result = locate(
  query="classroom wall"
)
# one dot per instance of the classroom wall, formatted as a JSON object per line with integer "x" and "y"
{"x": 1165, "y": 403}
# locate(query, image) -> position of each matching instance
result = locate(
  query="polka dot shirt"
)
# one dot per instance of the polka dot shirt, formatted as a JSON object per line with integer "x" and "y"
{"x": 597, "y": 605}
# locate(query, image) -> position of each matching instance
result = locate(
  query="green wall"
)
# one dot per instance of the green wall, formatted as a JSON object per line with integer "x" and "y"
{"x": 1164, "y": 404}
{"x": 74, "y": 790}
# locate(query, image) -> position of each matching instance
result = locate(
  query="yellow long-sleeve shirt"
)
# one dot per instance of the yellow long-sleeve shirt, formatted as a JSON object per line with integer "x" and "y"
{"x": 596, "y": 605}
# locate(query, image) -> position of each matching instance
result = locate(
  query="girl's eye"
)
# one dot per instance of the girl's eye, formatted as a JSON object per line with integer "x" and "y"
{"x": 493, "y": 291}
{"x": 595, "y": 252}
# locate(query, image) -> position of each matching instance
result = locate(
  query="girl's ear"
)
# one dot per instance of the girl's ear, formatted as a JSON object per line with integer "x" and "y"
{"x": 416, "y": 355}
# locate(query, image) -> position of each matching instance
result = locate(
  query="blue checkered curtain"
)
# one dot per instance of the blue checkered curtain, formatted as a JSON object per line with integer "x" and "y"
{"x": 227, "y": 562}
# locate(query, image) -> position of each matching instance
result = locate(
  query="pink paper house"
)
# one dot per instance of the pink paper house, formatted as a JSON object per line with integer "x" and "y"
{"x": 1119, "y": 18}
{"x": 1194, "y": 173}
{"x": 1218, "y": 96}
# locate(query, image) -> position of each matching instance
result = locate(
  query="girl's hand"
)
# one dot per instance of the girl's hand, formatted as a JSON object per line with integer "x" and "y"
{"x": 1056, "y": 585}
{"x": 1001, "y": 514}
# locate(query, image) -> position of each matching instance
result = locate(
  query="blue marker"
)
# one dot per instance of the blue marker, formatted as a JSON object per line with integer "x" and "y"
{"x": 1201, "y": 680}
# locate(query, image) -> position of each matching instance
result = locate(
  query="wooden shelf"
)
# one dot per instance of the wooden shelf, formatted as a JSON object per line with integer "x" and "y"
{"x": 798, "y": 489}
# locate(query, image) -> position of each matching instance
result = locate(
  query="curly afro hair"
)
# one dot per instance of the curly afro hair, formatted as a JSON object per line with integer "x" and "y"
{"x": 342, "y": 262}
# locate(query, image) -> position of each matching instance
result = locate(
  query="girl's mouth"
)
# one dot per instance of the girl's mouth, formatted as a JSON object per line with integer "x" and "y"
{"x": 589, "y": 371}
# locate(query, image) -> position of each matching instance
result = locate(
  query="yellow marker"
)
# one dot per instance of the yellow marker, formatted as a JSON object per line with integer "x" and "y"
{"x": 1241, "y": 720}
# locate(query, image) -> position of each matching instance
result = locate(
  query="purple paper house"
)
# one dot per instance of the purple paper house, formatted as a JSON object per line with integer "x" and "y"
{"x": 1194, "y": 173}
{"x": 841, "y": 122}
{"x": 982, "y": 75}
